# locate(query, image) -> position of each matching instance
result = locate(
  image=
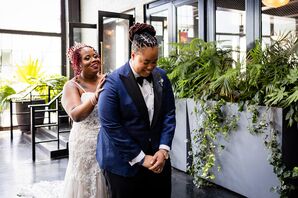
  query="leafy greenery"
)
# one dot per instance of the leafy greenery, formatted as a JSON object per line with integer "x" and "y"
{"x": 197, "y": 68}
{"x": 5, "y": 91}
{"x": 216, "y": 126}
{"x": 275, "y": 155}
{"x": 269, "y": 77}
{"x": 30, "y": 72}
{"x": 33, "y": 79}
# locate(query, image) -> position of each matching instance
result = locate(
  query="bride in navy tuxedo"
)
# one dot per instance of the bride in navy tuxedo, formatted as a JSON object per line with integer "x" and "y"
{"x": 137, "y": 115}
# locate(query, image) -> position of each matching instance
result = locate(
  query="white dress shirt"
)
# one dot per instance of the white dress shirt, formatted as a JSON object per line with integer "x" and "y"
{"x": 148, "y": 95}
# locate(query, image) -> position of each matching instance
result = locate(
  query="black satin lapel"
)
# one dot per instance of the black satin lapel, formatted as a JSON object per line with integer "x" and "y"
{"x": 136, "y": 94}
{"x": 157, "y": 87}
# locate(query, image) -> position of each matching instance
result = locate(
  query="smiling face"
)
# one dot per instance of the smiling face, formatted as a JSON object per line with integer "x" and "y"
{"x": 90, "y": 61}
{"x": 144, "y": 60}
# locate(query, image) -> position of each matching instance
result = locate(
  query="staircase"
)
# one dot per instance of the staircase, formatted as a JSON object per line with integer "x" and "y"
{"x": 48, "y": 132}
{"x": 52, "y": 135}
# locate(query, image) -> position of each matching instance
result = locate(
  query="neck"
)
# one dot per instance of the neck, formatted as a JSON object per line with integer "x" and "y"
{"x": 88, "y": 78}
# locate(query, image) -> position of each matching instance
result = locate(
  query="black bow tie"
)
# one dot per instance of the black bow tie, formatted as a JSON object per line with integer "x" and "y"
{"x": 140, "y": 79}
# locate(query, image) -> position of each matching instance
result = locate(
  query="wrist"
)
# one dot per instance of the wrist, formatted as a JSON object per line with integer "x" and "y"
{"x": 165, "y": 153}
{"x": 142, "y": 161}
{"x": 93, "y": 100}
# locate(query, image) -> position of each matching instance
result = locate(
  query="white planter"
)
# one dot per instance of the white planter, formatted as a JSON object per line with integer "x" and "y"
{"x": 179, "y": 146}
{"x": 245, "y": 168}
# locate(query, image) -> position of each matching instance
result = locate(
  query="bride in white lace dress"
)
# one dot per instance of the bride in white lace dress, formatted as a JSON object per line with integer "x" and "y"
{"x": 83, "y": 178}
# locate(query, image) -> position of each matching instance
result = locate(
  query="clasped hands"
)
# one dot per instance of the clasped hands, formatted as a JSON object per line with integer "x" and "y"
{"x": 156, "y": 162}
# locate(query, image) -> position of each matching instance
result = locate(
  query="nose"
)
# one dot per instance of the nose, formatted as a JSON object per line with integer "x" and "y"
{"x": 97, "y": 59}
{"x": 151, "y": 65}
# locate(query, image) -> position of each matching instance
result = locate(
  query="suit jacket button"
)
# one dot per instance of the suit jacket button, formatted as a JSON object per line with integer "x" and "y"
{"x": 149, "y": 139}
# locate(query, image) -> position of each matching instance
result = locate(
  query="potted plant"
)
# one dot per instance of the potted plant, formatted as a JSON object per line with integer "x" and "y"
{"x": 34, "y": 85}
{"x": 232, "y": 95}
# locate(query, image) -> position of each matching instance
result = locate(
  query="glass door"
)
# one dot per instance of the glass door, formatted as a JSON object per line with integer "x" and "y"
{"x": 113, "y": 39}
{"x": 159, "y": 17}
{"x": 82, "y": 33}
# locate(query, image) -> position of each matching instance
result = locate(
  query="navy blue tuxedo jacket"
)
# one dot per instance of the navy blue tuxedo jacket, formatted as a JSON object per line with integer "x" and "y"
{"x": 125, "y": 127}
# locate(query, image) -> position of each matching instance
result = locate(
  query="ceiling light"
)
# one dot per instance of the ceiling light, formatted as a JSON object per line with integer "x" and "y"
{"x": 275, "y": 3}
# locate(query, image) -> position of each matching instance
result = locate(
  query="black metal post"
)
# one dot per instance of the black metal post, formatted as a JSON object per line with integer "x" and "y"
{"x": 58, "y": 124}
{"x": 11, "y": 121}
{"x": 32, "y": 129}
{"x": 49, "y": 99}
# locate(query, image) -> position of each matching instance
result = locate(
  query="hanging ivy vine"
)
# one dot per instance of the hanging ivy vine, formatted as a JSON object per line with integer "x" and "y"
{"x": 216, "y": 125}
{"x": 202, "y": 71}
{"x": 264, "y": 124}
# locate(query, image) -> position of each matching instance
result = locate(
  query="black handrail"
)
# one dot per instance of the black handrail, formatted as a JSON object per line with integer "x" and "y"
{"x": 34, "y": 108}
{"x": 24, "y": 96}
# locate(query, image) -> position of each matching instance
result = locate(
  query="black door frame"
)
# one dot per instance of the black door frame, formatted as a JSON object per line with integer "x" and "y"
{"x": 101, "y": 15}
{"x": 71, "y": 34}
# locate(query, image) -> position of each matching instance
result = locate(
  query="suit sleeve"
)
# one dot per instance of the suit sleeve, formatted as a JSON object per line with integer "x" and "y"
{"x": 169, "y": 116}
{"x": 109, "y": 111}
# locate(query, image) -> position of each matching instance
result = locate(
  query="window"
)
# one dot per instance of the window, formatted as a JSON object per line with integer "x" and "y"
{"x": 32, "y": 15}
{"x": 16, "y": 50}
{"x": 187, "y": 22}
{"x": 159, "y": 21}
{"x": 277, "y": 22}
{"x": 35, "y": 31}
{"x": 230, "y": 26}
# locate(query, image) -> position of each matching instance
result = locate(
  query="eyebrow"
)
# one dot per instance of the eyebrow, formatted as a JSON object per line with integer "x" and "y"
{"x": 146, "y": 60}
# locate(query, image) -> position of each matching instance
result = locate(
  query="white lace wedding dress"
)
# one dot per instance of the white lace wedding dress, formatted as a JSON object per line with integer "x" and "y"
{"x": 83, "y": 178}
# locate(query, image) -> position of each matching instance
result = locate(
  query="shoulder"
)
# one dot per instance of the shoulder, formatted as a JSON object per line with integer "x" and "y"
{"x": 119, "y": 71}
{"x": 70, "y": 87}
{"x": 161, "y": 71}
{"x": 70, "y": 84}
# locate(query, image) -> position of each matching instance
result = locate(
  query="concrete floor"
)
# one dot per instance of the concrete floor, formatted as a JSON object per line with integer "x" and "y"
{"x": 17, "y": 170}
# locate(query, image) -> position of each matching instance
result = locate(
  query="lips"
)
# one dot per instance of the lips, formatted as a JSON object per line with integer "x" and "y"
{"x": 95, "y": 66}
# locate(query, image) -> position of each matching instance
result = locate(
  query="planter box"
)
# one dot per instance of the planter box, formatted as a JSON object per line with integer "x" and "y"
{"x": 245, "y": 168}
{"x": 179, "y": 149}
{"x": 23, "y": 114}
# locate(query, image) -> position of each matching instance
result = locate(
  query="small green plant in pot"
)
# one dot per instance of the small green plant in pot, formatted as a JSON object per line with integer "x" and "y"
{"x": 34, "y": 84}
{"x": 5, "y": 92}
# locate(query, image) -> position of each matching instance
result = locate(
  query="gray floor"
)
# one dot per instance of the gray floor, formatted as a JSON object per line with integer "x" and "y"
{"x": 17, "y": 169}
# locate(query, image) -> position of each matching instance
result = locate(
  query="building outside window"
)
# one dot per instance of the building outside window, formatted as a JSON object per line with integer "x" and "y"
{"x": 159, "y": 20}
{"x": 30, "y": 29}
{"x": 280, "y": 21}
{"x": 230, "y": 27}
{"x": 34, "y": 32}
{"x": 187, "y": 22}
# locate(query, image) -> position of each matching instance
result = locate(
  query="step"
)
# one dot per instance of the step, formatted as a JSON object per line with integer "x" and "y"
{"x": 50, "y": 148}
{"x": 52, "y": 134}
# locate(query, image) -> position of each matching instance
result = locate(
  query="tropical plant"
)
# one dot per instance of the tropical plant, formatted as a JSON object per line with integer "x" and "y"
{"x": 269, "y": 77}
{"x": 200, "y": 69}
{"x": 32, "y": 79}
{"x": 30, "y": 72}
{"x": 5, "y": 92}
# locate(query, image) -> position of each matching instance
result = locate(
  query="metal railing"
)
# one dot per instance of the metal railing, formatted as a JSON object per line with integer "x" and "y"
{"x": 28, "y": 96}
{"x": 51, "y": 107}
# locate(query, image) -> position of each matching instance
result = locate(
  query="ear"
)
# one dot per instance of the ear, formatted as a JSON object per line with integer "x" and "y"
{"x": 132, "y": 55}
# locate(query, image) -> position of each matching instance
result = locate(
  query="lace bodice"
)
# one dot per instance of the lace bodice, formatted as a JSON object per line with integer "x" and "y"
{"x": 91, "y": 122}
